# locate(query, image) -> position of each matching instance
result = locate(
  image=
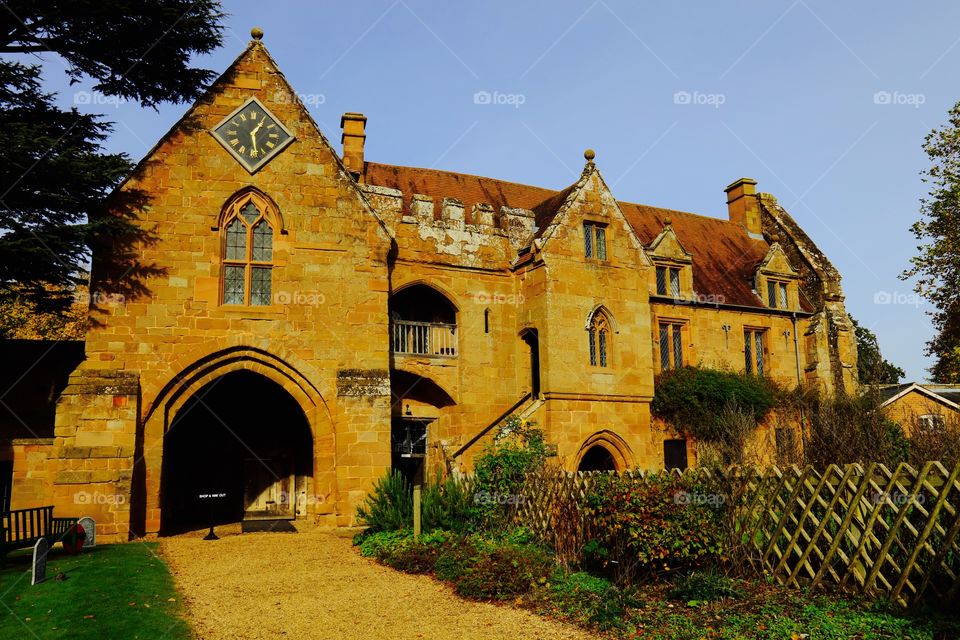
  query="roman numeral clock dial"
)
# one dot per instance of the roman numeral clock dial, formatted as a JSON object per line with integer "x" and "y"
{"x": 252, "y": 135}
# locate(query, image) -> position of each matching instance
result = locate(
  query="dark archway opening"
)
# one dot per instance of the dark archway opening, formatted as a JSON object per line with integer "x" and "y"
{"x": 597, "y": 458}
{"x": 243, "y": 439}
{"x": 533, "y": 345}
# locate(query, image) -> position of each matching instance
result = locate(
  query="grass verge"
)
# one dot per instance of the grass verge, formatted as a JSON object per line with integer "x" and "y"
{"x": 110, "y": 591}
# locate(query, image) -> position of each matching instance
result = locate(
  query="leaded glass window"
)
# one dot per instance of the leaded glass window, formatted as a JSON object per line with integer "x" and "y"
{"x": 668, "y": 281}
{"x": 250, "y": 213}
{"x": 753, "y": 351}
{"x": 602, "y": 346}
{"x": 260, "y": 286}
{"x": 262, "y": 242}
{"x": 777, "y": 294}
{"x": 664, "y": 347}
{"x": 671, "y": 345}
{"x": 599, "y": 338}
{"x": 677, "y": 346}
{"x": 594, "y": 241}
{"x": 233, "y": 285}
{"x": 593, "y": 345}
{"x": 236, "y": 240}
{"x": 758, "y": 350}
{"x": 248, "y": 253}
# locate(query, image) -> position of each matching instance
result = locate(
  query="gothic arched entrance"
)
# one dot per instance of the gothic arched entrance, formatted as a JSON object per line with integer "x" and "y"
{"x": 242, "y": 439}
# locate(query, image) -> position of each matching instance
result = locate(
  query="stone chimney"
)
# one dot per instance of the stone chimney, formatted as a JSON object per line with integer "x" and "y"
{"x": 742, "y": 204}
{"x": 352, "y": 139}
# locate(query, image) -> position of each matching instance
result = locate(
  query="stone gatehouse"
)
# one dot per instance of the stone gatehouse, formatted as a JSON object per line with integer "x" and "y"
{"x": 307, "y": 318}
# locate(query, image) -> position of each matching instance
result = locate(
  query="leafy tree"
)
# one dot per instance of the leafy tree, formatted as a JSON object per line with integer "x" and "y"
{"x": 693, "y": 400}
{"x": 54, "y": 174}
{"x": 20, "y": 319}
{"x": 871, "y": 366}
{"x": 937, "y": 266}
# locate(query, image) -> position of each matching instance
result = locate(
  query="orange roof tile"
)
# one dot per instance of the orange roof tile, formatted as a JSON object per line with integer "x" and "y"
{"x": 725, "y": 258}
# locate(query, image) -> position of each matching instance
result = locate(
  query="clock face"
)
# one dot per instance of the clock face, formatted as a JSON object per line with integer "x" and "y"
{"x": 252, "y": 135}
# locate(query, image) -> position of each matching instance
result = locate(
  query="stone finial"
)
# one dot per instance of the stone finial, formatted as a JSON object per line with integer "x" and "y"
{"x": 589, "y": 155}
{"x": 256, "y": 33}
{"x": 667, "y": 221}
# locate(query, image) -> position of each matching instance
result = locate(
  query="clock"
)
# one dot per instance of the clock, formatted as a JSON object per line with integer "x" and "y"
{"x": 252, "y": 135}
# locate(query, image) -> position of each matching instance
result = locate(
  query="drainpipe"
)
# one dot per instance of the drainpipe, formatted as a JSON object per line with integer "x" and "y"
{"x": 796, "y": 353}
{"x": 796, "y": 345}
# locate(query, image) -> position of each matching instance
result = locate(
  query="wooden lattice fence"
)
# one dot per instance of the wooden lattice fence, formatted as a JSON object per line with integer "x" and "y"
{"x": 866, "y": 528}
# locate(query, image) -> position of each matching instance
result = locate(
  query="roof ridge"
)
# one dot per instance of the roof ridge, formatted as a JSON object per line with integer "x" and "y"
{"x": 468, "y": 175}
{"x": 553, "y": 192}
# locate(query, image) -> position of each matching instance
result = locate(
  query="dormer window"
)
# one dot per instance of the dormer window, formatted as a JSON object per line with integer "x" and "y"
{"x": 777, "y": 281}
{"x": 595, "y": 240}
{"x": 778, "y": 294}
{"x": 668, "y": 281}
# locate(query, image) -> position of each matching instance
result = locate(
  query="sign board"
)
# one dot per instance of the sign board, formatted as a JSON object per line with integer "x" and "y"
{"x": 38, "y": 571}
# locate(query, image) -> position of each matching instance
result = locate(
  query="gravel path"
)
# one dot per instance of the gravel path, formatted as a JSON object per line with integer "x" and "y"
{"x": 315, "y": 585}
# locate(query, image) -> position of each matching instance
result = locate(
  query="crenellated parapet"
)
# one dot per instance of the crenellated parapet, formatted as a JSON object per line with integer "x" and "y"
{"x": 447, "y": 229}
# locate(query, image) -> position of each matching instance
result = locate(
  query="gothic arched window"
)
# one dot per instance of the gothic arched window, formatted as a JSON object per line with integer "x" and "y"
{"x": 247, "y": 252}
{"x": 599, "y": 336}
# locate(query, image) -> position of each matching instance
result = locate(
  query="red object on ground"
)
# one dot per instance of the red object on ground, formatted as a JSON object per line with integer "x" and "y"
{"x": 74, "y": 539}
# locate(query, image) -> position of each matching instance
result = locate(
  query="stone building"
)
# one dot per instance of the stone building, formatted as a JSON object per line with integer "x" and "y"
{"x": 307, "y": 318}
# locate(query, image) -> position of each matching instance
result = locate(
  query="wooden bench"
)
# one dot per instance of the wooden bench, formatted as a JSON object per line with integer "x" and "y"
{"x": 21, "y": 528}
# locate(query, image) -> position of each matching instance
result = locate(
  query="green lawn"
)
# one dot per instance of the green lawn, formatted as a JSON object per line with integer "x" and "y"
{"x": 111, "y": 591}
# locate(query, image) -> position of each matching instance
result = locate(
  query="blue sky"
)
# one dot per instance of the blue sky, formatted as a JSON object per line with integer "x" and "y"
{"x": 826, "y": 104}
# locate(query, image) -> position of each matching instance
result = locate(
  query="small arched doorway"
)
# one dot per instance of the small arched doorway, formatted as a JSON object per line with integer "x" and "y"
{"x": 243, "y": 439}
{"x": 597, "y": 458}
{"x": 532, "y": 340}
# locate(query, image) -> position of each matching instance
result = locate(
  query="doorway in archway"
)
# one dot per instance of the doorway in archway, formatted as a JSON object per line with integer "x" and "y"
{"x": 239, "y": 449}
{"x": 597, "y": 458}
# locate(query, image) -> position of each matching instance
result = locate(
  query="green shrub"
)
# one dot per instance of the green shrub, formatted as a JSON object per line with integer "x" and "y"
{"x": 704, "y": 586}
{"x": 504, "y": 573}
{"x": 417, "y": 554}
{"x": 458, "y": 556}
{"x": 502, "y": 467}
{"x": 448, "y": 505}
{"x": 651, "y": 524}
{"x": 389, "y": 507}
{"x": 590, "y": 600}
{"x": 692, "y": 399}
{"x": 380, "y": 544}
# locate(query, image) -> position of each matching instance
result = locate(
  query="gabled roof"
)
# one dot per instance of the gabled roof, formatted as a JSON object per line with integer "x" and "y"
{"x": 725, "y": 258}
{"x": 943, "y": 393}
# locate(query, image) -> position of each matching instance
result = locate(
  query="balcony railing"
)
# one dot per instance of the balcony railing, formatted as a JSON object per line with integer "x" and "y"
{"x": 434, "y": 339}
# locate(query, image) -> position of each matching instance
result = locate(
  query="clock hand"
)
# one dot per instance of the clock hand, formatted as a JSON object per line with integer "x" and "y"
{"x": 253, "y": 132}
